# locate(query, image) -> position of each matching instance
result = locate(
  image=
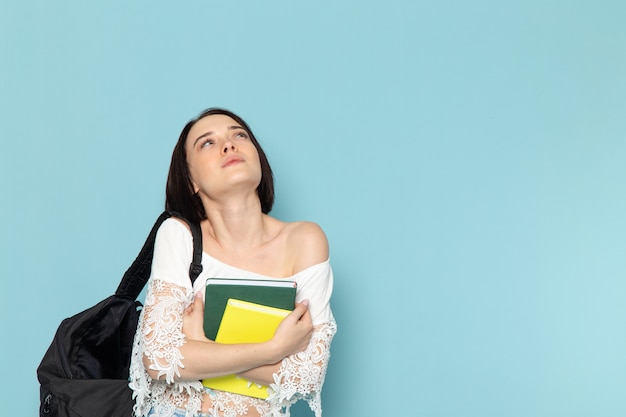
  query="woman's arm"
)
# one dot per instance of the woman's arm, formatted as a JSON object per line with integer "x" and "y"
{"x": 172, "y": 355}
{"x": 206, "y": 359}
{"x": 315, "y": 355}
{"x": 194, "y": 332}
{"x": 263, "y": 375}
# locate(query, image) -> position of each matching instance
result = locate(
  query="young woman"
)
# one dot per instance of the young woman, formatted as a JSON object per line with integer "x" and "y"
{"x": 220, "y": 178}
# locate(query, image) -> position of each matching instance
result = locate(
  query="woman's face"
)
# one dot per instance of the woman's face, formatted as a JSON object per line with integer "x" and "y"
{"x": 221, "y": 156}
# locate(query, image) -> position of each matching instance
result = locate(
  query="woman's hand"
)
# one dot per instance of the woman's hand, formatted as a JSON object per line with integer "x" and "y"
{"x": 193, "y": 320}
{"x": 292, "y": 335}
{"x": 294, "y": 332}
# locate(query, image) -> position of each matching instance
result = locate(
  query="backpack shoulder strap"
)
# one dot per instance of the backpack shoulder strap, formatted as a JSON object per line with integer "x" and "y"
{"x": 196, "y": 263}
{"x": 137, "y": 275}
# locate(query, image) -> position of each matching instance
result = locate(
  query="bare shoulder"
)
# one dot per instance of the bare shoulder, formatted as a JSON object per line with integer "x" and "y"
{"x": 308, "y": 243}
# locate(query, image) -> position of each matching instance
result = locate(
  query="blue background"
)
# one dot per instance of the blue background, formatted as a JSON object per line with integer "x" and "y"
{"x": 466, "y": 160}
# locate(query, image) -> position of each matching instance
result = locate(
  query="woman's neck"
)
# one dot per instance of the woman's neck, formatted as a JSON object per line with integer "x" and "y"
{"x": 236, "y": 225}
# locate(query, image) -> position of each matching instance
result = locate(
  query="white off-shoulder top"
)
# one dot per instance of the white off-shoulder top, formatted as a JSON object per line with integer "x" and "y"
{"x": 159, "y": 336}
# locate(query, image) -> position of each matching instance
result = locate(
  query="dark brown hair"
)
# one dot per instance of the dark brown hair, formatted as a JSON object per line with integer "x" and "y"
{"x": 179, "y": 192}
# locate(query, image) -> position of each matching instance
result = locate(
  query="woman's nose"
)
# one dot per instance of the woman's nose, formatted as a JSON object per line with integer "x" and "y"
{"x": 228, "y": 147}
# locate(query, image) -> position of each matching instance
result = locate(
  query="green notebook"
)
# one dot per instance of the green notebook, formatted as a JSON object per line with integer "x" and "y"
{"x": 279, "y": 293}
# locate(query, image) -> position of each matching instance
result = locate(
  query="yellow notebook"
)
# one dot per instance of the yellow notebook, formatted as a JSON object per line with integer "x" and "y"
{"x": 245, "y": 322}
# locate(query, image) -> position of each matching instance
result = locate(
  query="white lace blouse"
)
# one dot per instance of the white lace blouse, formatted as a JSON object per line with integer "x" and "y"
{"x": 159, "y": 336}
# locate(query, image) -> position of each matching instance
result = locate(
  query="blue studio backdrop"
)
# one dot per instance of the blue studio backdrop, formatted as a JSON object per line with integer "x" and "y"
{"x": 466, "y": 160}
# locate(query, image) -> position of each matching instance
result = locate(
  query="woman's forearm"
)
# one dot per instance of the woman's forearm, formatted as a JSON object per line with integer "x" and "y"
{"x": 262, "y": 374}
{"x": 315, "y": 356}
{"x": 207, "y": 359}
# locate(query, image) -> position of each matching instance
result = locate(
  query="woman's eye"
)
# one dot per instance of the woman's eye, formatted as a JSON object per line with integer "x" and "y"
{"x": 206, "y": 143}
{"x": 241, "y": 135}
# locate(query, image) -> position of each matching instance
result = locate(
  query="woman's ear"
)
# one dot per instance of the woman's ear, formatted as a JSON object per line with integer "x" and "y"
{"x": 196, "y": 188}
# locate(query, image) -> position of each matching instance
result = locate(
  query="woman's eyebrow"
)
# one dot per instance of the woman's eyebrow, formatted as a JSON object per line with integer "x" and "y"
{"x": 201, "y": 136}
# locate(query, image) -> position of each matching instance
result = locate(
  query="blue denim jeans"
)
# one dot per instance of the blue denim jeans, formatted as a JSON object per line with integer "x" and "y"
{"x": 181, "y": 413}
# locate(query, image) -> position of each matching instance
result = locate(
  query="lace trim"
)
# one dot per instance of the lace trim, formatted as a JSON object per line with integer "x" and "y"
{"x": 227, "y": 404}
{"x": 302, "y": 375}
{"x": 159, "y": 338}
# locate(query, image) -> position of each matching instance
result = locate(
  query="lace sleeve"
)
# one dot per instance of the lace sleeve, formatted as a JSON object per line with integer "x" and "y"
{"x": 162, "y": 327}
{"x": 159, "y": 338}
{"x": 301, "y": 376}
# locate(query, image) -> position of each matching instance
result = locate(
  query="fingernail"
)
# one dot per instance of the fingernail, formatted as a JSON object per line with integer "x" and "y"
{"x": 305, "y": 302}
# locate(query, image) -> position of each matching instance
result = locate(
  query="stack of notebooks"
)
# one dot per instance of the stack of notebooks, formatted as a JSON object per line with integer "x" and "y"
{"x": 244, "y": 311}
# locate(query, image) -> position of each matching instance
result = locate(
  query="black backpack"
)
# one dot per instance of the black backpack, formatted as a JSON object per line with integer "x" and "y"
{"x": 85, "y": 371}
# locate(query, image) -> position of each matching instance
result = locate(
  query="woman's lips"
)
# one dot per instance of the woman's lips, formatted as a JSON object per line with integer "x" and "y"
{"x": 232, "y": 161}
